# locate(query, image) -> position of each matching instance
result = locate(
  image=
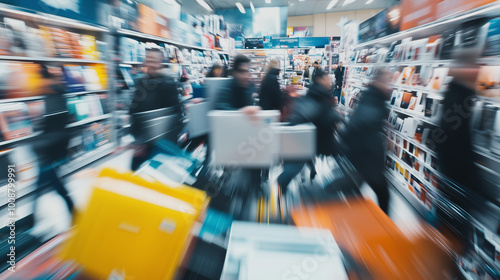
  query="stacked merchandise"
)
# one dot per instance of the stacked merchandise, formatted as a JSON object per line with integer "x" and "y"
{"x": 19, "y": 39}
{"x": 88, "y": 106}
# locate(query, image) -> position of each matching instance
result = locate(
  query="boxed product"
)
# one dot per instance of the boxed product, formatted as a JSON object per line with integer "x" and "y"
{"x": 6, "y": 39}
{"x": 407, "y": 99}
{"x": 488, "y": 81}
{"x": 438, "y": 77}
{"x": 15, "y": 120}
{"x": 492, "y": 47}
{"x": 74, "y": 78}
{"x": 409, "y": 127}
{"x": 406, "y": 75}
{"x": 20, "y": 79}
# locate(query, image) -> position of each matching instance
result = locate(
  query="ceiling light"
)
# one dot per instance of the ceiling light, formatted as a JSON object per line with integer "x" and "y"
{"x": 302, "y": 0}
{"x": 347, "y": 2}
{"x": 369, "y": 2}
{"x": 291, "y": 4}
{"x": 204, "y": 5}
{"x": 252, "y": 7}
{"x": 240, "y": 7}
{"x": 268, "y": 1}
{"x": 332, "y": 4}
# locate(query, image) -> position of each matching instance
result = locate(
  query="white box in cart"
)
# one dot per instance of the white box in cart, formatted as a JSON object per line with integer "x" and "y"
{"x": 238, "y": 140}
{"x": 262, "y": 252}
{"x": 296, "y": 142}
{"x": 198, "y": 121}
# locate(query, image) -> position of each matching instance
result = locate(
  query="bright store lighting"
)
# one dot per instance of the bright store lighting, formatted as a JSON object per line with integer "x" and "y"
{"x": 240, "y": 7}
{"x": 268, "y": 1}
{"x": 347, "y": 2}
{"x": 369, "y": 2}
{"x": 332, "y": 4}
{"x": 204, "y": 5}
{"x": 252, "y": 7}
{"x": 302, "y": 0}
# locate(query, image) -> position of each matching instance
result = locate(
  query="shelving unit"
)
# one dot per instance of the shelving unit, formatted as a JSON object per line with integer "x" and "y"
{"x": 101, "y": 34}
{"x": 488, "y": 162}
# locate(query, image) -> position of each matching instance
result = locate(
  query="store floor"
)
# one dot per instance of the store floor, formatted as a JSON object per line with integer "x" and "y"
{"x": 52, "y": 219}
{"x": 51, "y": 216}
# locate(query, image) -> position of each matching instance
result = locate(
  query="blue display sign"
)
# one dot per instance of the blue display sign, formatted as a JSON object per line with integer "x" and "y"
{"x": 285, "y": 43}
{"x": 317, "y": 42}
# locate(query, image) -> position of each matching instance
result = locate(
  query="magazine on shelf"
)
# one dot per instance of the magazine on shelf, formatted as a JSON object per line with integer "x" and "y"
{"x": 409, "y": 127}
{"x": 418, "y": 132}
{"x": 91, "y": 78}
{"x": 406, "y": 75}
{"x": 492, "y": 46}
{"x": 407, "y": 99}
{"x": 488, "y": 81}
{"x": 438, "y": 77}
{"x": 433, "y": 50}
{"x": 448, "y": 45}
{"x": 417, "y": 50}
{"x": 15, "y": 120}
{"x": 391, "y": 51}
{"x": 470, "y": 38}
{"x": 74, "y": 78}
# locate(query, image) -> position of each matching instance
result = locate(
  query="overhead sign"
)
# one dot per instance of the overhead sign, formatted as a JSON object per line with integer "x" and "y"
{"x": 316, "y": 42}
{"x": 285, "y": 43}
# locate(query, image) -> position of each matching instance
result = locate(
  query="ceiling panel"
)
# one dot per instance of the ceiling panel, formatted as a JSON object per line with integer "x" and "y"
{"x": 307, "y": 7}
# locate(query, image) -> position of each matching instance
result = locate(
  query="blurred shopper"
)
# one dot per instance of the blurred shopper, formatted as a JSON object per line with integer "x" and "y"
{"x": 238, "y": 96}
{"x": 51, "y": 145}
{"x": 454, "y": 148}
{"x": 155, "y": 90}
{"x": 271, "y": 97}
{"x": 312, "y": 79}
{"x": 315, "y": 108}
{"x": 339, "y": 80}
{"x": 363, "y": 136}
{"x": 216, "y": 71}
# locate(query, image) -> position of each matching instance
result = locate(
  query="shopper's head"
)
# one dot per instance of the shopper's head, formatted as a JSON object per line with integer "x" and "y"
{"x": 153, "y": 61}
{"x": 341, "y": 64}
{"x": 241, "y": 70}
{"x": 316, "y": 64}
{"x": 215, "y": 71}
{"x": 274, "y": 64}
{"x": 382, "y": 79}
{"x": 322, "y": 78}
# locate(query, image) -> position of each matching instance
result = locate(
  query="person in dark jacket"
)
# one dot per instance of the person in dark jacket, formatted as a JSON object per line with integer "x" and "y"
{"x": 315, "y": 108}
{"x": 313, "y": 74}
{"x": 52, "y": 145}
{"x": 363, "y": 135}
{"x": 238, "y": 96}
{"x": 154, "y": 91}
{"x": 271, "y": 97}
{"x": 339, "y": 80}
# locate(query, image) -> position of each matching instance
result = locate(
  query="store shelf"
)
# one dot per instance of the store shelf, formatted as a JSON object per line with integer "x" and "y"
{"x": 486, "y": 158}
{"x": 87, "y": 159}
{"x": 413, "y": 141}
{"x": 89, "y": 120}
{"x": 38, "y": 17}
{"x": 402, "y": 63}
{"x": 71, "y": 94}
{"x": 4, "y": 144}
{"x": 401, "y": 185}
{"x": 439, "y": 26}
{"x": 51, "y": 59}
{"x": 128, "y": 63}
{"x": 135, "y": 34}
{"x": 495, "y": 101}
{"x": 413, "y": 114}
{"x": 22, "y": 99}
